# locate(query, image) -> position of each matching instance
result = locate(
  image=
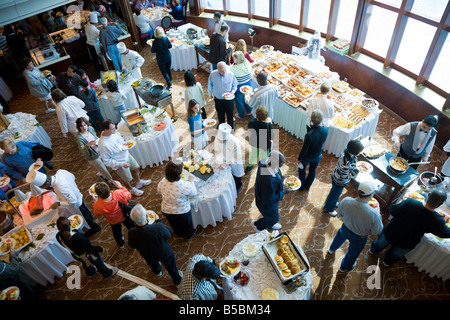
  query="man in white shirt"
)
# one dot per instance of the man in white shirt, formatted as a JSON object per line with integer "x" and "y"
{"x": 131, "y": 60}
{"x": 219, "y": 23}
{"x": 92, "y": 40}
{"x": 322, "y": 103}
{"x": 67, "y": 193}
{"x": 265, "y": 95}
{"x": 116, "y": 156}
{"x": 419, "y": 139}
{"x": 446, "y": 167}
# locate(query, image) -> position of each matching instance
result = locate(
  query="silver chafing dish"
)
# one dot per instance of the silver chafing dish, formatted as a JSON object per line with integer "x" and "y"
{"x": 134, "y": 120}
{"x": 292, "y": 282}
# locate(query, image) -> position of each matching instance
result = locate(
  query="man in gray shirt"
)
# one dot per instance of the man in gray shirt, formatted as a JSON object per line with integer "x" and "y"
{"x": 359, "y": 220}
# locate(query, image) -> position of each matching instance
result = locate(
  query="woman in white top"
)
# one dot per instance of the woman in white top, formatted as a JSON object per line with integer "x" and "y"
{"x": 175, "y": 205}
{"x": 68, "y": 110}
{"x": 194, "y": 91}
{"x": 115, "y": 98}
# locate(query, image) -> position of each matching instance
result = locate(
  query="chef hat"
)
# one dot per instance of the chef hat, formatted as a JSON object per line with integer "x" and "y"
{"x": 121, "y": 47}
{"x": 224, "y": 131}
{"x": 36, "y": 177}
{"x": 93, "y": 17}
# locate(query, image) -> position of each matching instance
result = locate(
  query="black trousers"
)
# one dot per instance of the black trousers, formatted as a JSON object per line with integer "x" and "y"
{"x": 87, "y": 215}
{"x": 181, "y": 224}
{"x": 96, "y": 260}
{"x": 402, "y": 154}
{"x": 117, "y": 230}
{"x": 225, "y": 108}
{"x": 94, "y": 56}
{"x": 165, "y": 66}
{"x": 237, "y": 182}
{"x": 169, "y": 263}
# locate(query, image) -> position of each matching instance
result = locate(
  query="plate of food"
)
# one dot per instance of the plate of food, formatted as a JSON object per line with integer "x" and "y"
{"x": 209, "y": 122}
{"x": 10, "y": 293}
{"x": 92, "y": 191}
{"x": 129, "y": 144}
{"x": 230, "y": 266}
{"x": 21, "y": 236}
{"x": 6, "y": 245}
{"x": 46, "y": 73}
{"x": 36, "y": 165}
{"x": 374, "y": 203}
{"x": 364, "y": 167}
{"x": 184, "y": 175}
{"x": 374, "y": 151}
{"x": 159, "y": 126}
{"x": 228, "y": 96}
{"x": 292, "y": 183}
{"x": 4, "y": 181}
{"x": 76, "y": 221}
{"x": 270, "y": 294}
{"x": 246, "y": 89}
{"x": 293, "y": 99}
{"x": 250, "y": 249}
{"x": 241, "y": 278}
{"x": 151, "y": 216}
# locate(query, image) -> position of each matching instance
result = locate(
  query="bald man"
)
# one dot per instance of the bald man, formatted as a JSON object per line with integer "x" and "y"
{"x": 265, "y": 95}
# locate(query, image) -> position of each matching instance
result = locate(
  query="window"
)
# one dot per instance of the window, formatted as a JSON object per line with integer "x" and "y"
{"x": 346, "y": 19}
{"x": 439, "y": 74}
{"x": 214, "y": 4}
{"x": 290, "y": 11}
{"x": 240, "y": 6}
{"x": 433, "y": 11}
{"x": 414, "y": 45}
{"x": 393, "y": 3}
{"x": 381, "y": 23}
{"x": 319, "y": 11}
{"x": 261, "y": 8}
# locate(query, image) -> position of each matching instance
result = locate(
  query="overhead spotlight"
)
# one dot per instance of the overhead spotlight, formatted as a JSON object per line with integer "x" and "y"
{"x": 252, "y": 33}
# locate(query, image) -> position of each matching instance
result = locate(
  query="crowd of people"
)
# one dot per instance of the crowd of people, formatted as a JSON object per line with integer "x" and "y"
{"x": 72, "y": 96}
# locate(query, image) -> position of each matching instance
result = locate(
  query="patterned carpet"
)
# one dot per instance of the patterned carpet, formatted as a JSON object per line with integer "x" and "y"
{"x": 300, "y": 214}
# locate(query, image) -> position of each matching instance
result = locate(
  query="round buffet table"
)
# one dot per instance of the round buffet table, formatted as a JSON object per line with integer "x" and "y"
{"x": 184, "y": 57}
{"x": 261, "y": 275}
{"x": 215, "y": 200}
{"x": 154, "y": 147}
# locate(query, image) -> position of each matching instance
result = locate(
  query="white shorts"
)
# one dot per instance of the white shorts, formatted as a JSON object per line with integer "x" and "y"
{"x": 46, "y": 98}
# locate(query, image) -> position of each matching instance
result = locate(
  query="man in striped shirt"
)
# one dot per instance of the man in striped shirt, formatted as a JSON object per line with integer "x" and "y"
{"x": 345, "y": 170}
{"x": 265, "y": 95}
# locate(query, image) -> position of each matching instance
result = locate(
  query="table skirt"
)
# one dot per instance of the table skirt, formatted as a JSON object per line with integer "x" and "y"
{"x": 108, "y": 111}
{"x": 431, "y": 256}
{"x": 41, "y": 136}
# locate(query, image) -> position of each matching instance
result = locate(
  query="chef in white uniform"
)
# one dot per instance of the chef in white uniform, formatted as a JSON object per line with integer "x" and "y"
{"x": 446, "y": 167}
{"x": 131, "y": 60}
{"x": 228, "y": 148}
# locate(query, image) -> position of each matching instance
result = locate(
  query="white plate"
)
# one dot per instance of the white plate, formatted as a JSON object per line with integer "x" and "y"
{"x": 3, "y": 292}
{"x": 181, "y": 94}
{"x": 232, "y": 274}
{"x": 92, "y": 193}
{"x": 294, "y": 188}
{"x": 2, "y": 253}
{"x": 38, "y": 165}
{"x": 228, "y": 96}
{"x": 184, "y": 175}
{"x": 4, "y": 181}
{"x": 250, "y": 249}
{"x": 368, "y": 165}
{"x": 79, "y": 218}
{"x": 248, "y": 89}
{"x": 212, "y": 124}
{"x": 151, "y": 219}
{"x": 129, "y": 148}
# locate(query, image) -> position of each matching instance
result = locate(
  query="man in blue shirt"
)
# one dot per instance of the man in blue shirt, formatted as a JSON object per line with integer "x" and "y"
{"x": 223, "y": 81}
{"x": 18, "y": 158}
{"x": 108, "y": 40}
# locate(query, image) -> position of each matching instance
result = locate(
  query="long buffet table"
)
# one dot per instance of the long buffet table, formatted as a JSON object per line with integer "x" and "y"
{"x": 351, "y": 118}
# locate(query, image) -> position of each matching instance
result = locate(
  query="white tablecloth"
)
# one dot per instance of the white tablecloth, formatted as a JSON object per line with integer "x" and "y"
{"x": 261, "y": 275}
{"x": 5, "y": 91}
{"x": 154, "y": 147}
{"x": 216, "y": 199}
{"x": 184, "y": 58}
{"x": 294, "y": 121}
{"x": 49, "y": 259}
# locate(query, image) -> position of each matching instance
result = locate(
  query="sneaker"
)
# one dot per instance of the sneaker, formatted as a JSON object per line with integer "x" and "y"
{"x": 143, "y": 183}
{"x": 136, "y": 192}
{"x": 354, "y": 265}
{"x": 254, "y": 227}
{"x": 94, "y": 272}
{"x": 50, "y": 110}
{"x": 114, "y": 272}
{"x": 99, "y": 175}
{"x": 168, "y": 87}
{"x": 276, "y": 226}
{"x": 333, "y": 213}
{"x": 371, "y": 253}
{"x": 384, "y": 264}
{"x": 159, "y": 274}
{"x": 180, "y": 273}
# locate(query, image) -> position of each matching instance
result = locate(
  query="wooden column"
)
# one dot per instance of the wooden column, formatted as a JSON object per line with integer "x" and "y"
{"x": 127, "y": 13}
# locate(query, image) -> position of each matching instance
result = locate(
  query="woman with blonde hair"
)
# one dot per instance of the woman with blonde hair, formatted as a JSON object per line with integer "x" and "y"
{"x": 161, "y": 46}
{"x": 242, "y": 70}
{"x": 242, "y": 47}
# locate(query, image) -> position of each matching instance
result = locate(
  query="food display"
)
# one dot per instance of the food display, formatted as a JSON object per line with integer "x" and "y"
{"x": 20, "y": 235}
{"x": 355, "y": 92}
{"x": 369, "y": 103}
{"x": 342, "y": 101}
{"x": 292, "y": 183}
{"x": 359, "y": 111}
{"x": 293, "y": 83}
{"x": 266, "y": 48}
{"x": 270, "y": 294}
{"x": 241, "y": 278}
{"x": 280, "y": 75}
{"x": 293, "y": 99}
{"x": 304, "y": 90}
{"x": 340, "y": 86}
{"x": 291, "y": 69}
{"x": 11, "y": 293}
{"x": 416, "y": 195}
{"x": 398, "y": 164}
{"x": 314, "y": 82}
{"x": 364, "y": 167}
{"x": 374, "y": 151}
{"x": 76, "y": 221}
{"x": 108, "y": 75}
{"x": 250, "y": 249}
{"x": 274, "y": 66}
{"x": 272, "y": 80}
{"x": 341, "y": 122}
{"x": 230, "y": 266}
{"x": 285, "y": 259}
{"x": 194, "y": 163}
{"x": 257, "y": 55}
{"x": 282, "y": 90}
{"x": 355, "y": 119}
{"x": 302, "y": 73}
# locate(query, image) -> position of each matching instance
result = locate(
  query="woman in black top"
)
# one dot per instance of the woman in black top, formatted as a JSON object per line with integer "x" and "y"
{"x": 161, "y": 46}
{"x": 80, "y": 247}
{"x": 311, "y": 152}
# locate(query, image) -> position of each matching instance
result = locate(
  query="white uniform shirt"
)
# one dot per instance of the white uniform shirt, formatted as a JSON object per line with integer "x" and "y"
{"x": 68, "y": 111}
{"x": 446, "y": 166}
{"x": 92, "y": 33}
{"x": 230, "y": 150}
{"x": 175, "y": 196}
{"x": 323, "y": 104}
{"x": 112, "y": 150}
{"x": 63, "y": 183}
{"x": 133, "y": 61}
{"x": 422, "y": 136}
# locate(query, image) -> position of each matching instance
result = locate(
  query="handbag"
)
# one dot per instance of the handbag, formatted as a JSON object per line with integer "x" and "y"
{"x": 126, "y": 208}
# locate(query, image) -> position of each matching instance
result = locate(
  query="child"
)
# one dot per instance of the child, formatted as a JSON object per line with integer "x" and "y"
{"x": 115, "y": 97}
{"x": 196, "y": 127}
{"x": 91, "y": 106}
{"x": 345, "y": 170}
{"x": 194, "y": 90}
{"x": 261, "y": 137}
{"x": 81, "y": 248}
{"x": 83, "y": 75}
